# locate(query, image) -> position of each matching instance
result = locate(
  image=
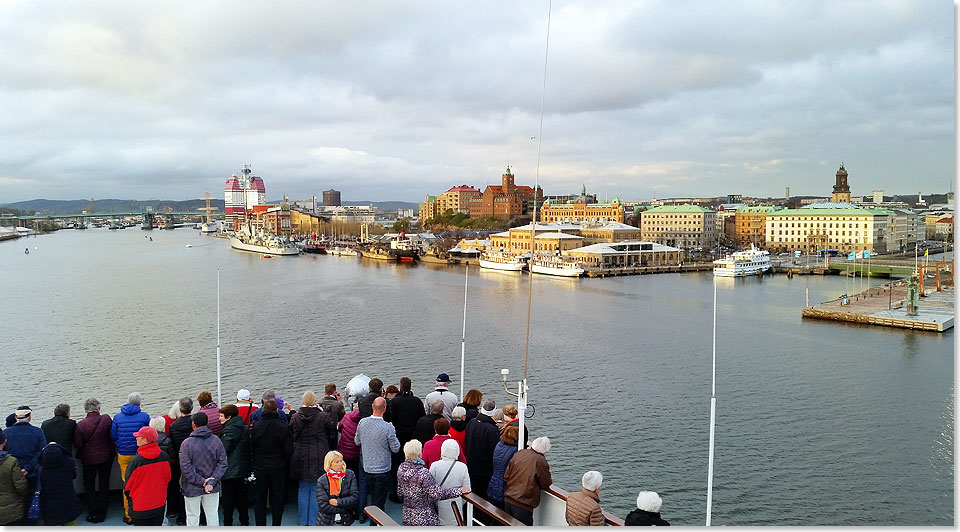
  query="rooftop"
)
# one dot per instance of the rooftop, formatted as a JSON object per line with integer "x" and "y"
{"x": 686, "y": 208}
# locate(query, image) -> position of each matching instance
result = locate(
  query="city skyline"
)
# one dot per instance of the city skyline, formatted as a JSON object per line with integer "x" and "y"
{"x": 643, "y": 100}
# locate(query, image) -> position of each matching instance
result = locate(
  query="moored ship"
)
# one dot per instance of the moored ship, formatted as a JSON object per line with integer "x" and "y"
{"x": 751, "y": 261}
{"x": 556, "y": 265}
{"x": 503, "y": 260}
{"x": 260, "y": 242}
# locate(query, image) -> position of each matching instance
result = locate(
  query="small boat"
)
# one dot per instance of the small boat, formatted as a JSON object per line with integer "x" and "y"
{"x": 314, "y": 246}
{"x": 556, "y": 265}
{"x": 751, "y": 261}
{"x": 503, "y": 260}
{"x": 342, "y": 251}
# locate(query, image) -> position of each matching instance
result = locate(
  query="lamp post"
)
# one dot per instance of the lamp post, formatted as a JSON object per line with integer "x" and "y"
{"x": 521, "y": 395}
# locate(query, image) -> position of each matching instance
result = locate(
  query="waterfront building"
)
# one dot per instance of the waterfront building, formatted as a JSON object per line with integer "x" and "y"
{"x": 517, "y": 239}
{"x": 750, "y": 225}
{"x": 687, "y": 227}
{"x": 304, "y": 222}
{"x": 609, "y": 232}
{"x": 274, "y": 219}
{"x": 904, "y": 229}
{"x": 241, "y": 193}
{"x": 505, "y": 200}
{"x": 457, "y": 199}
{"x": 628, "y": 254}
{"x": 351, "y": 213}
{"x": 331, "y": 198}
{"x": 944, "y": 228}
{"x": 428, "y": 209}
{"x": 842, "y": 227}
{"x": 581, "y": 210}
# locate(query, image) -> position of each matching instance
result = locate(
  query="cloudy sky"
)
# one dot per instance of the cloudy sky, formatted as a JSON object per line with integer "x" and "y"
{"x": 395, "y": 100}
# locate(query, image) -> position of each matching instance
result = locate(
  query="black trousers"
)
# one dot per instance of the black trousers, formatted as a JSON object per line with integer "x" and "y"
{"x": 97, "y": 499}
{"x": 175, "y": 496}
{"x": 156, "y": 520}
{"x": 274, "y": 482}
{"x": 233, "y": 495}
{"x": 524, "y": 516}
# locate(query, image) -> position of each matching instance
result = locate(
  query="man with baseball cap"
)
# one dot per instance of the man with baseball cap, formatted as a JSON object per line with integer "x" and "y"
{"x": 442, "y": 393}
{"x": 147, "y": 476}
{"x": 245, "y": 406}
{"x": 24, "y": 441}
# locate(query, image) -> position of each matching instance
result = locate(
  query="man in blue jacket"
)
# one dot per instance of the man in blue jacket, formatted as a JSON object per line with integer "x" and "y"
{"x": 24, "y": 441}
{"x": 129, "y": 420}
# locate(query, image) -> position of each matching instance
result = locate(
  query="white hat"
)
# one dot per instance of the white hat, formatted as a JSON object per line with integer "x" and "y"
{"x": 649, "y": 501}
{"x": 243, "y": 395}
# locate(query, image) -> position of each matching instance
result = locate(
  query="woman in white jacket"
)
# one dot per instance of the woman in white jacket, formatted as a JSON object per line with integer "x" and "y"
{"x": 449, "y": 473}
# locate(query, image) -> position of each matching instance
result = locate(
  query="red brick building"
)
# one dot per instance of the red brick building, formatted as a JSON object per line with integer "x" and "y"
{"x": 505, "y": 200}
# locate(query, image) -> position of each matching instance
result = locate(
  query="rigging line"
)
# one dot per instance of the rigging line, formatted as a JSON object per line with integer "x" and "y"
{"x": 536, "y": 187}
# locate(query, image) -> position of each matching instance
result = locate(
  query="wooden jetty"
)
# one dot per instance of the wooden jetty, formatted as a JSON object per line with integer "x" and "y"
{"x": 884, "y": 305}
{"x": 639, "y": 270}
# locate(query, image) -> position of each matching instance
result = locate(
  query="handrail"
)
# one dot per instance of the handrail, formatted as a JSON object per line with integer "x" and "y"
{"x": 560, "y": 493}
{"x": 379, "y": 517}
{"x": 457, "y": 514}
{"x": 488, "y": 508}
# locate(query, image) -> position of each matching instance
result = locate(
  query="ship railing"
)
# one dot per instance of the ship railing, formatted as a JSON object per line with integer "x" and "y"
{"x": 379, "y": 517}
{"x": 477, "y": 504}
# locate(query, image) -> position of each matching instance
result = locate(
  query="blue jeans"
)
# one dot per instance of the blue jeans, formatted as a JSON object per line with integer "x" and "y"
{"x": 376, "y": 485}
{"x": 307, "y": 503}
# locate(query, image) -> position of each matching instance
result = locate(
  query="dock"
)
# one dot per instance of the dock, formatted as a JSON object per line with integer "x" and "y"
{"x": 885, "y": 306}
{"x": 640, "y": 270}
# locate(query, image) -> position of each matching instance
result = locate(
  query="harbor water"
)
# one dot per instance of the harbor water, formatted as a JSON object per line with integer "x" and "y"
{"x": 817, "y": 423}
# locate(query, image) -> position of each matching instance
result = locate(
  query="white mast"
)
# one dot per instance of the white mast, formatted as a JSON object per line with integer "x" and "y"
{"x": 218, "y": 338}
{"x": 463, "y": 342}
{"x": 713, "y": 407}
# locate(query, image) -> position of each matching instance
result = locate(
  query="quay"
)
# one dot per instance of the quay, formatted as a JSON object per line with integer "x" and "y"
{"x": 640, "y": 270}
{"x": 885, "y": 306}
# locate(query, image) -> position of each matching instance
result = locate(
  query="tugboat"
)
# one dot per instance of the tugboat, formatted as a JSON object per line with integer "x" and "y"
{"x": 314, "y": 245}
{"x": 403, "y": 249}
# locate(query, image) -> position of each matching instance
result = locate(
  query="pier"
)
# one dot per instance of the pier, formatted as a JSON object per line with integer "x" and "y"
{"x": 639, "y": 270}
{"x": 885, "y": 305}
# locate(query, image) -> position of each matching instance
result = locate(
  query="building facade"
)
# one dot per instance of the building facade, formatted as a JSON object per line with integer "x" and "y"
{"x": 331, "y": 198}
{"x": 688, "y": 227}
{"x": 304, "y": 222}
{"x": 843, "y": 229}
{"x": 242, "y": 193}
{"x": 351, "y": 213}
{"x": 457, "y": 199}
{"x": 428, "y": 209}
{"x": 841, "y": 190}
{"x": 505, "y": 200}
{"x": 750, "y": 225}
{"x": 626, "y": 255}
{"x": 581, "y": 211}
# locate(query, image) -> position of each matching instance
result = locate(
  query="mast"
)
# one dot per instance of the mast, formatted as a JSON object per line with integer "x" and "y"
{"x": 713, "y": 408}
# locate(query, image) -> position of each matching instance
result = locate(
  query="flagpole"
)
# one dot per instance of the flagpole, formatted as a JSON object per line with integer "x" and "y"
{"x": 218, "y": 338}
{"x": 713, "y": 409}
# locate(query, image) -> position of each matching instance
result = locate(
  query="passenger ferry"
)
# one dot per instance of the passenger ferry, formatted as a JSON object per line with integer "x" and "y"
{"x": 751, "y": 261}
{"x": 556, "y": 265}
{"x": 503, "y": 260}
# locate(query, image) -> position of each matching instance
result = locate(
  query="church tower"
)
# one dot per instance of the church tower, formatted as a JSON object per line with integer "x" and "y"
{"x": 841, "y": 191}
{"x": 508, "y": 185}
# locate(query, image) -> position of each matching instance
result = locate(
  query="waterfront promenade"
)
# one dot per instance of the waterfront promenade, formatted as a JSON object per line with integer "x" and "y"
{"x": 885, "y": 305}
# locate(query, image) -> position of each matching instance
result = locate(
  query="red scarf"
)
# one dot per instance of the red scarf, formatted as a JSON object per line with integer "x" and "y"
{"x": 335, "y": 478}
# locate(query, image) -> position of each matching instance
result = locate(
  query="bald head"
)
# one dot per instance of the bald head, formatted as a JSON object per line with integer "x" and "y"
{"x": 379, "y": 406}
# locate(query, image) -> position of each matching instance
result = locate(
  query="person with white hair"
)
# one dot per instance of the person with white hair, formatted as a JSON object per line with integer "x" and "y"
{"x": 419, "y": 490}
{"x": 583, "y": 507}
{"x": 527, "y": 473}
{"x": 449, "y": 472}
{"x": 129, "y": 420}
{"x": 647, "y": 512}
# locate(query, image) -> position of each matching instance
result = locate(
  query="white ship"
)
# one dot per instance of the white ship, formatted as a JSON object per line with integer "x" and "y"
{"x": 342, "y": 251}
{"x": 556, "y": 265}
{"x": 260, "y": 242}
{"x": 503, "y": 260}
{"x": 751, "y": 261}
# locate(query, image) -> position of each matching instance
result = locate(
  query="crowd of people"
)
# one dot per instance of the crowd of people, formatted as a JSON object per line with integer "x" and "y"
{"x": 382, "y": 442}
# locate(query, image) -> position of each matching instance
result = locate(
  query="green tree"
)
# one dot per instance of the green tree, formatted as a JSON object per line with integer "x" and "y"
{"x": 401, "y": 225}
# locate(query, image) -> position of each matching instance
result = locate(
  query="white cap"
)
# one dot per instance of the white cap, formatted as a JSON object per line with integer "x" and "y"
{"x": 243, "y": 395}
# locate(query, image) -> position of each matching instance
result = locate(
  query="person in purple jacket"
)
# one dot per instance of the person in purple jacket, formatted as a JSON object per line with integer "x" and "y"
{"x": 128, "y": 421}
{"x": 203, "y": 462}
{"x": 95, "y": 449}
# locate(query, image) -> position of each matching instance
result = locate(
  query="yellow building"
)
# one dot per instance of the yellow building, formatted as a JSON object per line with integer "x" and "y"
{"x": 457, "y": 199}
{"x": 682, "y": 226}
{"x": 430, "y": 208}
{"x": 517, "y": 239}
{"x": 609, "y": 232}
{"x": 844, "y": 229}
{"x": 750, "y": 225}
{"x": 581, "y": 211}
{"x": 305, "y": 223}
{"x": 626, "y": 255}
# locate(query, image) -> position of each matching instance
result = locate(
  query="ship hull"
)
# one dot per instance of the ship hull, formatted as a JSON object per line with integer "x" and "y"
{"x": 235, "y": 243}
{"x": 505, "y": 267}
{"x": 559, "y": 272}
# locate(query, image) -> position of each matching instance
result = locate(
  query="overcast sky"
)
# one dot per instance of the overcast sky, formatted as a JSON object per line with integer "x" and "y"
{"x": 395, "y": 100}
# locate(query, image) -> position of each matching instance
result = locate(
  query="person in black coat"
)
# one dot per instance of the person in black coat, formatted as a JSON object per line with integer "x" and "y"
{"x": 423, "y": 430}
{"x": 314, "y": 435}
{"x": 365, "y": 403}
{"x": 179, "y": 431}
{"x": 481, "y": 437}
{"x": 272, "y": 445}
{"x": 647, "y": 512}
{"x": 60, "y": 428}
{"x": 407, "y": 409}
{"x": 59, "y": 503}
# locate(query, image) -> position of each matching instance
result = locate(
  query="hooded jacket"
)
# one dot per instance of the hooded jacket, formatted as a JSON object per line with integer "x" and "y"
{"x": 502, "y": 454}
{"x": 420, "y": 494}
{"x": 128, "y": 421}
{"x": 201, "y": 457}
{"x": 13, "y": 488}
{"x": 348, "y": 430}
{"x": 640, "y": 517}
{"x": 271, "y": 441}
{"x": 333, "y": 407}
{"x": 92, "y": 439}
{"x": 25, "y": 442}
{"x": 147, "y": 478}
{"x": 238, "y": 466}
{"x": 314, "y": 433}
{"x": 59, "y": 503}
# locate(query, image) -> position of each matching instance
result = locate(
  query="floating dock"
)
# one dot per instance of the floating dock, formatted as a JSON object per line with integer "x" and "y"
{"x": 884, "y": 305}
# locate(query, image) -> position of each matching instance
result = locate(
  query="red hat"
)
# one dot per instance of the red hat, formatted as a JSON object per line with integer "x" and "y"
{"x": 148, "y": 433}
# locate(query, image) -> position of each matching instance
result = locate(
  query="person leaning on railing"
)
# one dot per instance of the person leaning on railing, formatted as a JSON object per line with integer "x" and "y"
{"x": 583, "y": 507}
{"x": 527, "y": 474}
{"x": 419, "y": 490}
